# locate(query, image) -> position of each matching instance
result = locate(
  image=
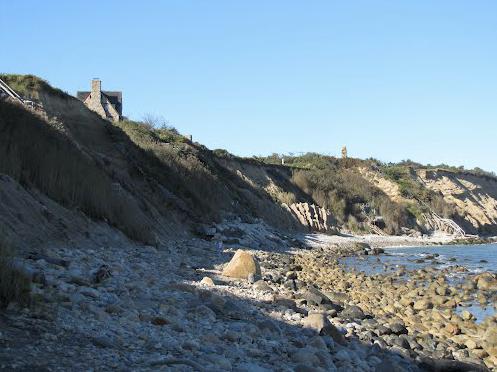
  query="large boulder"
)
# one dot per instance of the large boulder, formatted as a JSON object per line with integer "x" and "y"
{"x": 320, "y": 323}
{"x": 242, "y": 265}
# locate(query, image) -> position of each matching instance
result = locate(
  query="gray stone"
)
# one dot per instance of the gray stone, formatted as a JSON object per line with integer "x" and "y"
{"x": 102, "y": 273}
{"x": 78, "y": 280}
{"x": 290, "y": 284}
{"x": 311, "y": 297}
{"x": 352, "y": 312}
{"x": 398, "y": 329}
{"x": 401, "y": 342}
{"x": 262, "y": 286}
{"x": 374, "y": 360}
{"x": 338, "y": 297}
{"x": 322, "y": 325}
{"x": 284, "y": 302}
{"x": 381, "y": 330}
{"x": 381, "y": 343}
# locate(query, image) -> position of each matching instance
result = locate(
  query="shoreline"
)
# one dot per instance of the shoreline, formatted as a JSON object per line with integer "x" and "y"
{"x": 438, "y": 245}
{"x": 392, "y": 241}
{"x": 422, "y": 300}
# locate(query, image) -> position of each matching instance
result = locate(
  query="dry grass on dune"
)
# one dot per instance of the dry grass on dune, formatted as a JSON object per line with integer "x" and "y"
{"x": 38, "y": 156}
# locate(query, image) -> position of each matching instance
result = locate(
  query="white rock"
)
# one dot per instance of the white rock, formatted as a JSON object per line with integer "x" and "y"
{"x": 207, "y": 281}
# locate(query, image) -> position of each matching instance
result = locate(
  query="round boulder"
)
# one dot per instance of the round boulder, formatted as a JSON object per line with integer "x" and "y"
{"x": 242, "y": 265}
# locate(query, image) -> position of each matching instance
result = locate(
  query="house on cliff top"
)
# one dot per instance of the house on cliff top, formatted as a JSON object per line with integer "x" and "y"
{"x": 107, "y": 104}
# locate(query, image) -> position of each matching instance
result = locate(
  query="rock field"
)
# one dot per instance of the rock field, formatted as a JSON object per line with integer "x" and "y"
{"x": 127, "y": 307}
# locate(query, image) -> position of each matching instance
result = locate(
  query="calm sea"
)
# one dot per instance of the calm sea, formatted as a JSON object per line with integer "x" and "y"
{"x": 476, "y": 258}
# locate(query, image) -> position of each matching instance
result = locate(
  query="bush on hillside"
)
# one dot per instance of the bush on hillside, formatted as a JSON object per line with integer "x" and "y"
{"x": 146, "y": 134}
{"x": 159, "y": 122}
{"x": 222, "y": 153}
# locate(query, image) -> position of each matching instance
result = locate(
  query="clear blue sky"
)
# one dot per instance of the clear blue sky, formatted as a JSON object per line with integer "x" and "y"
{"x": 389, "y": 79}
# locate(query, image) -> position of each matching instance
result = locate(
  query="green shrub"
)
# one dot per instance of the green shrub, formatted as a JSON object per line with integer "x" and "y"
{"x": 222, "y": 153}
{"x": 416, "y": 210}
{"x": 14, "y": 284}
{"x": 144, "y": 133}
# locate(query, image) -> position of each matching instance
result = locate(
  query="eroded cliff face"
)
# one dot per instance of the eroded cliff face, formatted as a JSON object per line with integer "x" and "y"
{"x": 472, "y": 197}
{"x": 277, "y": 182}
{"x": 312, "y": 216}
{"x": 475, "y": 197}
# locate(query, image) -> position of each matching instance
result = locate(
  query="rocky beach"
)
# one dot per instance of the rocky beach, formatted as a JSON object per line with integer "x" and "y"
{"x": 248, "y": 186}
{"x": 278, "y": 304}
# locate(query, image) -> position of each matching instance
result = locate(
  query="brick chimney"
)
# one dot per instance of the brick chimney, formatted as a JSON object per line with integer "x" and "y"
{"x": 96, "y": 89}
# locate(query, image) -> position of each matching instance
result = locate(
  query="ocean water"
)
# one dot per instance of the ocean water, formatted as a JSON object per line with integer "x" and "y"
{"x": 475, "y": 258}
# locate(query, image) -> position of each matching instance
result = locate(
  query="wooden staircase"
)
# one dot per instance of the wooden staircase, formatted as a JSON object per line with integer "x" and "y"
{"x": 4, "y": 88}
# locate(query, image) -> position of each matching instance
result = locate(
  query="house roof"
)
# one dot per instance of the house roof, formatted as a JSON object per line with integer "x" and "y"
{"x": 82, "y": 95}
{"x": 114, "y": 97}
